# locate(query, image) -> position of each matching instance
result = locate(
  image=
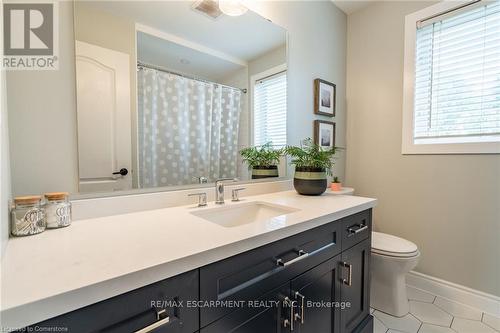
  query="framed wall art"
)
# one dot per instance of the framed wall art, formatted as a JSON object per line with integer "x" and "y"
{"x": 324, "y": 98}
{"x": 324, "y": 134}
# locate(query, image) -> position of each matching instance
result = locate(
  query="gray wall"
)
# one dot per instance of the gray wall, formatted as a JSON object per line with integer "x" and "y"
{"x": 266, "y": 61}
{"x": 447, "y": 204}
{"x": 42, "y": 121}
{"x": 316, "y": 49}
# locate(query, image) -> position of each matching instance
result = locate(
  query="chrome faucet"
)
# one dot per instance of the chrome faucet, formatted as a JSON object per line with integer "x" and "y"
{"x": 219, "y": 189}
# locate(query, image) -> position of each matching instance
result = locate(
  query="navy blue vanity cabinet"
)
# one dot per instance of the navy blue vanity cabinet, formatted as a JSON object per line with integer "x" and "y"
{"x": 355, "y": 285}
{"x": 366, "y": 326}
{"x": 356, "y": 228}
{"x": 328, "y": 288}
{"x": 139, "y": 309}
{"x": 254, "y": 273}
{"x": 304, "y": 304}
{"x": 267, "y": 316}
{"x": 316, "y": 281}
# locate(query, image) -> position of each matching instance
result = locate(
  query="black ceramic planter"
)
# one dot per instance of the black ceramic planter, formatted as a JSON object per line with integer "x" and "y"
{"x": 310, "y": 181}
{"x": 259, "y": 172}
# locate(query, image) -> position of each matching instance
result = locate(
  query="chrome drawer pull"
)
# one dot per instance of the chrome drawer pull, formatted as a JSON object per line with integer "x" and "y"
{"x": 156, "y": 324}
{"x": 347, "y": 281}
{"x": 302, "y": 256}
{"x": 301, "y": 316}
{"x": 288, "y": 322}
{"x": 352, "y": 231}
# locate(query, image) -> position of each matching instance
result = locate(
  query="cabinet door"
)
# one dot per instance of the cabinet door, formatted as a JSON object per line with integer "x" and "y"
{"x": 355, "y": 285}
{"x": 316, "y": 294}
{"x": 267, "y": 315}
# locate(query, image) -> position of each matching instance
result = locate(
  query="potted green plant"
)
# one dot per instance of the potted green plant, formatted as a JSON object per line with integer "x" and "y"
{"x": 336, "y": 184}
{"x": 262, "y": 160}
{"x": 312, "y": 165}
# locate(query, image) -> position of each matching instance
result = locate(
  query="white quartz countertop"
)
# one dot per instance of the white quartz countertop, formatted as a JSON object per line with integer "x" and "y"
{"x": 65, "y": 269}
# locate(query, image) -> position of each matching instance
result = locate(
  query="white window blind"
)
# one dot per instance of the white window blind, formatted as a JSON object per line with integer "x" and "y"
{"x": 457, "y": 78}
{"x": 270, "y": 110}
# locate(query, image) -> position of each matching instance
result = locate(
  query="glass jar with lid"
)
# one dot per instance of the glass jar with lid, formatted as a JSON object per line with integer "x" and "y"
{"x": 27, "y": 216}
{"x": 57, "y": 210}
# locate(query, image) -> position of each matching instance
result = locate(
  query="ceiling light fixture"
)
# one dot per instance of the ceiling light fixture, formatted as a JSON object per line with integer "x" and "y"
{"x": 232, "y": 7}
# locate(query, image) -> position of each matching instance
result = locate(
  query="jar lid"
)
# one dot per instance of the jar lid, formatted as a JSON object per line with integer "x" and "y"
{"x": 28, "y": 200}
{"x": 56, "y": 196}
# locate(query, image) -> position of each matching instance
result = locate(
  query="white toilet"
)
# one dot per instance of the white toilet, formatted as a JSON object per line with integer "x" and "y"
{"x": 391, "y": 259}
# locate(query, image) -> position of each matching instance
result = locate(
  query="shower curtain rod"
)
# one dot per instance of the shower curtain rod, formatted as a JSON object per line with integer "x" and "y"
{"x": 161, "y": 69}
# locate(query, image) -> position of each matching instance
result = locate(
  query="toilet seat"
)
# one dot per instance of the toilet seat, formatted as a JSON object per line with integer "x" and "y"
{"x": 392, "y": 246}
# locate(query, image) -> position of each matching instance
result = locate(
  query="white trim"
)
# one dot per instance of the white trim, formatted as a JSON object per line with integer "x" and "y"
{"x": 408, "y": 146}
{"x": 455, "y": 292}
{"x": 253, "y": 79}
{"x": 184, "y": 42}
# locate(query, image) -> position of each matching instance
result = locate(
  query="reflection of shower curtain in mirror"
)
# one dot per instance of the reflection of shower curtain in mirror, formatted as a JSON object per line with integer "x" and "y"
{"x": 186, "y": 129}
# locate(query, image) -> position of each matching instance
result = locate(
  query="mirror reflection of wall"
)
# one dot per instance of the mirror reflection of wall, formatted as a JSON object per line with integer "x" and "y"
{"x": 165, "y": 96}
{"x": 180, "y": 93}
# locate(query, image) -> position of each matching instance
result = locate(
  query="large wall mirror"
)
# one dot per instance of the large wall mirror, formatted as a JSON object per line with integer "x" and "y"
{"x": 168, "y": 93}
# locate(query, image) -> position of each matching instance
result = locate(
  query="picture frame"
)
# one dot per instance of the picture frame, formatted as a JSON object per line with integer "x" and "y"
{"x": 324, "y": 134}
{"x": 325, "y": 98}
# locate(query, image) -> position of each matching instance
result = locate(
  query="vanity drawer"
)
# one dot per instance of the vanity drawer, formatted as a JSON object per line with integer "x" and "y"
{"x": 133, "y": 311}
{"x": 356, "y": 228}
{"x": 253, "y": 273}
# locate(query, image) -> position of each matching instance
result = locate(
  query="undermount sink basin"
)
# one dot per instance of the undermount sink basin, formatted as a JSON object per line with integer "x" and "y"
{"x": 244, "y": 213}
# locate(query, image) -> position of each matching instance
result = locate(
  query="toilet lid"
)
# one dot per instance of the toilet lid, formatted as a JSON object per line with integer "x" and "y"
{"x": 392, "y": 245}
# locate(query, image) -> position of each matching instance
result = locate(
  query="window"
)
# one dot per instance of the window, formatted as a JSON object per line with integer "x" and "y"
{"x": 452, "y": 79}
{"x": 269, "y": 105}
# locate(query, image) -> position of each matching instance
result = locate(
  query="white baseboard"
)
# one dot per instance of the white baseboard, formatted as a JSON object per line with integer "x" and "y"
{"x": 483, "y": 301}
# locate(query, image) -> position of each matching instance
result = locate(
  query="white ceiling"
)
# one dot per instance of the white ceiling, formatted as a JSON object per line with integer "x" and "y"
{"x": 245, "y": 37}
{"x": 350, "y": 7}
{"x": 167, "y": 54}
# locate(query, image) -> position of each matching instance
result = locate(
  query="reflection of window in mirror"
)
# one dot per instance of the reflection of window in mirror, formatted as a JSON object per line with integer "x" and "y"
{"x": 269, "y": 107}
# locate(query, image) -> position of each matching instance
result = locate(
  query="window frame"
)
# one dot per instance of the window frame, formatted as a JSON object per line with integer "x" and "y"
{"x": 253, "y": 79}
{"x": 408, "y": 146}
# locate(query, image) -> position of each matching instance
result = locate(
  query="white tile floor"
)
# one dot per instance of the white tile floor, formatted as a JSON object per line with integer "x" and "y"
{"x": 433, "y": 314}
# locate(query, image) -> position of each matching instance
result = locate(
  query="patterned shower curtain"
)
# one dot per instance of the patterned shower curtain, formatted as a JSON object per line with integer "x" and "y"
{"x": 186, "y": 128}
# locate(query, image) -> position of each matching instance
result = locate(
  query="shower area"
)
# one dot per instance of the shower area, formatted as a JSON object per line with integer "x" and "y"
{"x": 188, "y": 128}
